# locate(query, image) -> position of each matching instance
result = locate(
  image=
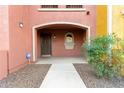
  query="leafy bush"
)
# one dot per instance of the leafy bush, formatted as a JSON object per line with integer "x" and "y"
{"x": 100, "y": 56}
{"x": 118, "y": 55}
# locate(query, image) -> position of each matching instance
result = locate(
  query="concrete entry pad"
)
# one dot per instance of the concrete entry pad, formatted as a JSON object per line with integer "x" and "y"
{"x": 62, "y": 76}
{"x": 61, "y": 60}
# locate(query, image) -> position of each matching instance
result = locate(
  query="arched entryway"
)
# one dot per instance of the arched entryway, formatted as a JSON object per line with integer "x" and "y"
{"x": 66, "y": 35}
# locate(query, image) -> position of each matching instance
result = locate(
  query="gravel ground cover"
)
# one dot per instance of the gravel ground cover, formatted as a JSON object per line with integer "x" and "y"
{"x": 91, "y": 81}
{"x": 31, "y": 76}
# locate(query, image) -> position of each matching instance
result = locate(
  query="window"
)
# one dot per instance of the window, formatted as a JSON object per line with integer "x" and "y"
{"x": 74, "y": 6}
{"x": 69, "y": 41}
{"x": 49, "y": 6}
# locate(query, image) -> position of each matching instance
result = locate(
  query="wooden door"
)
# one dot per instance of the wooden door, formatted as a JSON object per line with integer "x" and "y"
{"x": 46, "y": 44}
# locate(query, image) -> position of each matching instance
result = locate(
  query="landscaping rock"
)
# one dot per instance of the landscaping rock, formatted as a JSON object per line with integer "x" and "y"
{"x": 91, "y": 81}
{"x": 31, "y": 76}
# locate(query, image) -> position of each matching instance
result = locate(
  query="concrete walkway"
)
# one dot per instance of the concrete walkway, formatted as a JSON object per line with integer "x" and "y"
{"x": 62, "y": 76}
{"x": 61, "y": 60}
{"x": 62, "y": 73}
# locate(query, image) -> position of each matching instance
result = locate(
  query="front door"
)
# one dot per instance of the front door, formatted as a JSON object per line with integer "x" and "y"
{"x": 46, "y": 44}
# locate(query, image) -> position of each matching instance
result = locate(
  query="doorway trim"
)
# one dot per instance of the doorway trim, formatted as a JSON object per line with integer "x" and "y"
{"x": 34, "y": 30}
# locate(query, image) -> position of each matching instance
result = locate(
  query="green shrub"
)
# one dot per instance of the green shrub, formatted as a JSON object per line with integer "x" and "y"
{"x": 118, "y": 55}
{"x": 100, "y": 56}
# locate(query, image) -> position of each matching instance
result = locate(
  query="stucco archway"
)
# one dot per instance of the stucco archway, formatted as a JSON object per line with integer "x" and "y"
{"x": 34, "y": 29}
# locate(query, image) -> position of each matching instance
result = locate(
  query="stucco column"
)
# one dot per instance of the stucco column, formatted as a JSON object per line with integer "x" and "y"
{"x": 109, "y": 25}
{"x": 33, "y": 38}
{"x": 109, "y": 19}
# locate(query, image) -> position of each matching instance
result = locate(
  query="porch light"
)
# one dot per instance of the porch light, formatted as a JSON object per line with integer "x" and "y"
{"x": 54, "y": 36}
{"x": 21, "y": 25}
{"x": 88, "y": 12}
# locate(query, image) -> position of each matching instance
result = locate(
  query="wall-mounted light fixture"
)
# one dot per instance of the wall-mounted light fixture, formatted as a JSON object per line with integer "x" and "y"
{"x": 54, "y": 36}
{"x": 88, "y": 12}
{"x": 21, "y": 25}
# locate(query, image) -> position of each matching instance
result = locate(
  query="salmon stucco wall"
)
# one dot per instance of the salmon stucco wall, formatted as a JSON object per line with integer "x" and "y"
{"x": 3, "y": 64}
{"x": 79, "y": 37}
{"x": 4, "y": 28}
{"x": 81, "y": 17}
{"x": 4, "y": 40}
{"x": 118, "y": 21}
{"x": 20, "y": 38}
{"x": 101, "y": 20}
